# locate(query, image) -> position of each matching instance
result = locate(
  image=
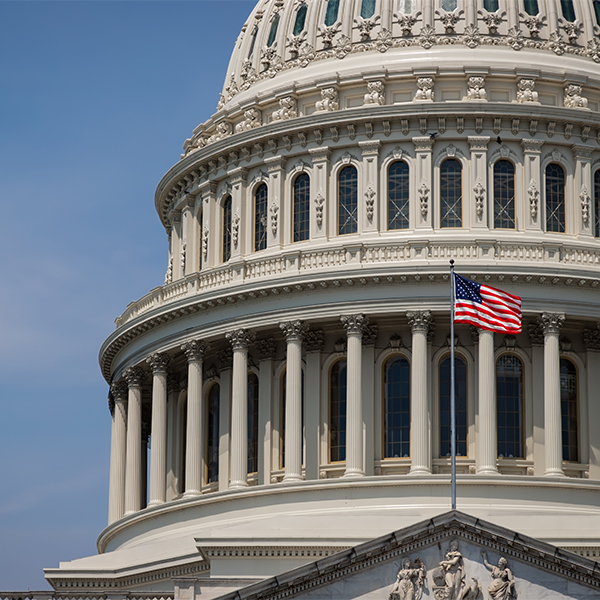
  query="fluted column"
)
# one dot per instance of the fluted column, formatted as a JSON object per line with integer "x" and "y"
{"x": 118, "y": 447}
{"x": 551, "y": 324}
{"x": 158, "y": 449}
{"x": 419, "y": 322}
{"x": 487, "y": 440}
{"x": 294, "y": 334}
{"x": 354, "y": 325}
{"x": 194, "y": 352}
{"x": 239, "y": 340}
{"x": 134, "y": 376}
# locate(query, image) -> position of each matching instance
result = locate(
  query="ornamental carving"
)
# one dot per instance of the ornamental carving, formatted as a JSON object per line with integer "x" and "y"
{"x": 492, "y": 20}
{"x": 134, "y": 376}
{"x": 182, "y": 256}
{"x": 536, "y": 334}
{"x": 194, "y": 350}
{"x": 314, "y": 340}
{"x": 224, "y": 129}
{"x": 419, "y": 320}
{"x": 593, "y": 49}
{"x": 169, "y": 273}
{"x": 533, "y": 23}
{"x": 370, "y": 333}
{"x": 225, "y": 359}
{"x": 424, "y": 199}
{"x": 472, "y": 36}
{"x": 534, "y": 197}
{"x": 375, "y": 93}
{"x": 449, "y": 578}
{"x": 427, "y": 37}
{"x": 205, "y": 237}
{"x": 449, "y": 19}
{"x": 343, "y": 47}
{"x": 355, "y": 324}
{"x": 294, "y": 331}
{"x": 573, "y": 30}
{"x": 328, "y": 34}
{"x": 274, "y": 218}
{"x": 407, "y": 22}
{"x": 591, "y": 339}
{"x": 585, "y": 205}
{"x": 384, "y": 40}
{"x": 252, "y": 120}
{"x": 503, "y": 582}
{"x": 267, "y": 349}
{"x": 159, "y": 361}
{"x": 479, "y": 192}
{"x": 425, "y": 89}
{"x": 240, "y": 339}
{"x": 235, "y": 230}
{"x": 329, "y": 100}
{"x": 556, "y": 43}
{"x": 409, "y": 581}
{"x": 515, "y": 38}
{"x": 366, "y": 26}
{"x": 295, "y": 43}
{"x": 525, "y": 91}
{"x": 319, "y": 202}
{"x": 119, "y": 389}
{"x": 551, "y": 322}
{"x": 476, "y": 88}
{"x": 370, "y": 196}
{"x": 307, "y": 55}
{"x": 573, "y": 97}
{"x": 288, "y": 109}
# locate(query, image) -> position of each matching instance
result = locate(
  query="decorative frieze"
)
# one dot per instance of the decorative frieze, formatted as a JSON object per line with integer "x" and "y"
{"x": 134, "y": 376}
{"x": 240, "y": 339}
{"x": 476, "y": 88}
{"x": 158, "y": 362}
{"x": 525, "y": 91}
{"x": 288, "y": 109}
{"x": 355, "y": 324}
{"x": 294, "y": 330}
{"x": 195, "y": 350}
{"x": 425, "y": 90}
{"x": 314, "y": 340}
{"x": 375, "y": 93}
{"x": 591, "y": 338}
{"x": 329, "y": 100}
{"x": 573, "y": 97}
{"x": 267, "y": 349}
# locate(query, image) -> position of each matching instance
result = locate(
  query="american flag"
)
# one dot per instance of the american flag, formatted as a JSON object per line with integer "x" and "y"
{"x": 486, "y": 307}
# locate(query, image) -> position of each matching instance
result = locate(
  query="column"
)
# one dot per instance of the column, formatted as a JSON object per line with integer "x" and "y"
{"x": 194, "y": 447}
{"x": 173, "y": 437}
{"x": 267, "y": 351}
{"x": 354, "y": 326}
{"x": 118, "y": 446}
{"x": 294, "y": 332}
{"x": 532, "y": 210}
{"x": 239, "y": 339}
{"x": 424, "y": 180}
{"x": 314, "y": 342}
{"x": 478, "y": 209}
{"x": 158, "y": 449}
{"x": 368, "y": 395}
{"x": 225, "y": 359}
{"x": 591, "y": 338}
{"x": 420, "y": 322}
{"x": 551, "y": 324}
{"x": 134, "y": 376}
{"x": 583, "y": 216}
{"x": 369, "y": 220}
{"x": 276, "y": 168}
{"x": 487, "y": 440}
{"x": 241, "y": 239}
{"x": 319, "y": 186}
{"x": 176, "y": 245}
{"x": 187, "y": 228}
{"x": 212, "y": 226}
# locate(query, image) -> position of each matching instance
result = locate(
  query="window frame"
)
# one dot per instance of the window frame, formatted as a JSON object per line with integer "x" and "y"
{"x": 564, "y": 197}
{"x": 442, "y": 196}
{"x": 294, "y": 181}
{"x": 258, "y": 223}
{"x": 514, "y": 194}
{"x": 387, "y": 359}
{"x": 387, "y": 175}
{"x": 329, "y": 411}
{"x": 226, "y": 228}
{"x": 577, "y": 404}
{"x": 338, "y": 196}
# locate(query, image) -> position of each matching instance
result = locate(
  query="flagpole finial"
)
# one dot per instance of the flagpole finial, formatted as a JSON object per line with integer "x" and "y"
{"x": 451, "y": 262}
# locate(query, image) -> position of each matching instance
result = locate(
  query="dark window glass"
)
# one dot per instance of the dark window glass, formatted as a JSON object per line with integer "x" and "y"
{"x": 212, "y": 438}
{"x": 367, "y": 9}
{"x": 397, "y": 408}
{"x": 555, "y": 198}
{"x": 253, "y": 42}
{"x": 568, "y": 410}
{"x": 490, "y": 5}
{"x": 597, "y": 203}
{"x": 252, "y": 423}
{"x": 451, "y": 193}
{"x": 504, "y": 195}
{"x": 461, "y": 407}
{"x": 333, "y": 6}
{"x": 398, "y": 192}
{"x": 282, "y": 435}
{"x": 509, "y": 394}
{"x": 531, "y": 7}
{"x": 260, "y": 217}
{"x": 568, "y": 10}
{"x": 300, "y": 19}
{"x": 348, "y": 201}
{"x": 273, "y": 31}
{"x": 596, "y": 4}
{"x": 406, "y": 7}
{"x": 449, "y": 5}
{"x": 227, "y": 229}
{"x": 301, "y": 207}
{"x": 337, "y": 412}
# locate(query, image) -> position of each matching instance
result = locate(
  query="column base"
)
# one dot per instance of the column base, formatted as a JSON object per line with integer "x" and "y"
{"x": 554, "y": 473}
{"x": 488, "y": 471}
{"x": 238, "y": 485}
{"x": 192, "y": 494}
{"x": 419, "y": 471}
{"x": 353, "y": 473}
{"x": 291, "y": 478}
{"x": 155, "y": 503}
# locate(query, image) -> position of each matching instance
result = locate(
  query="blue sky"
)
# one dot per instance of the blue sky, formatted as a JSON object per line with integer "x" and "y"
{"x": 96, "y": 100}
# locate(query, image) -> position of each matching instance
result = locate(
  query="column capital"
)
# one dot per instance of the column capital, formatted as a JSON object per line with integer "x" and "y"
{"x": 320, "y": 154}
{"x": 134, "y": 376}
{"x": 275, "y": 163}
{"x": 240, "y": 339}
{"x": 294, "y": 331}
{"x": 119, "y": 389}
{"x": 355, "y": 324}
{"x": 423, "y": 143}
{"x": 314, "y": 340}
{"x": 267, "y": 349}
{"x": 551, "y": 322}
{"x": 194, "y": 350}
{"x": 591, "y": 338}
{"x": 159, "y": 361}
{"x": 478, "y": 142}
{"x": 419, "y": 320}
{"x": 584, "y": 152}
{"x": 532, "y": 146}
{"x": 370, "y": 333}
{"x": 225, "y": 359}
{"x": 370, "y": 147}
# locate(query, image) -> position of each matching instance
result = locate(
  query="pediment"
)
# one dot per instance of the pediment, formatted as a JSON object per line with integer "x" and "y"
{"x": 439, "y": 559}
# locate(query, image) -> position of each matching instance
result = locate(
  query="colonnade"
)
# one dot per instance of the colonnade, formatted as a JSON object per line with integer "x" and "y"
{"x": 127, "y": 464}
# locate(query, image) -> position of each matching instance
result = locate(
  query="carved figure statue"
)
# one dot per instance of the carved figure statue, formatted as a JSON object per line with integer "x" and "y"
{"x": 288, "y": 109}
{"x": 329, "y": 100}
{"x": 503, "y": 583}
{"x": 425, "y": 88}
{"x": 449, "y": 576}
{"x": 376, "y": 93}
{"x": 476, "y": 89}
{"x": 409, "y": 582}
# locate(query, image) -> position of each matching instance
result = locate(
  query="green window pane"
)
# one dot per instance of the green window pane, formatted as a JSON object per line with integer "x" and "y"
{"x": 273, "y": 32}
{"x": 300, "y": 19}
{"x": 490, "y": 5}
{"x": 348, "y": 201}
{"x": 449, "y": 5}
{"x": 531, "y": 7}
{"x": 596, "y": 4}
{"x": 555, "y": 199}
{"x": 451, "y": 193}
{"x": 301, "y": 205}
{"x": 398, "y": 195}
{"x": 460, "y": 396}
{"x": 568, "y": 10}
{"x": 367, "y": 9}
{"x": 227, "y": 229}
{"x": 504, "y": 195}
{"x": 333, "y": 6}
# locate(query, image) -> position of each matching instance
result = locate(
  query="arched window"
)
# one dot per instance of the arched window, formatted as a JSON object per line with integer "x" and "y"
{"x": 367, "y": 10}
{"x": 337, "y": 412}
{"x": 568, "y": 410}
{"x": 253, "y": 42}
{"x": 396, "y": 426}
{"x": 597, "y": 203}
{"x": 407, "y": 7}
{"x": 227, "y": 229}
{"x": 260, "y": 217}
{"x": 398, "y": 195}
{"x": 490, "y": 5}
{"x": 282, "y": 425}
{"x": 212, "y": 437}
{"x": 449, "y": 5}
{"x": 531, "y": 7}
{"x": 509, "y": 398}
{"x": 555, "y": 198}
{"x": 273, "y": 31}
{"x": 596, "y": 4}
{"x": 300, "y": 20}
{"x": 451, "y": 193}
{"x": 348, "y": 201}
{"x": 568, "y": 10}
{"x": 301, "y": 207}
{"x": 252, "y": 423}
{"x": 461, "y": 406}
{"x": 333, "y": 7}
{"x": 504, "y": 195}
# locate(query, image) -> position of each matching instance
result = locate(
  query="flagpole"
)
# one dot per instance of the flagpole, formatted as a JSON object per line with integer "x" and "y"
{"x": 452, "y": 391}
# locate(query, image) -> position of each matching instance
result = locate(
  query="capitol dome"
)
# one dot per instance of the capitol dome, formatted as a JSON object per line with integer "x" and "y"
{"x": 292, "y": 373}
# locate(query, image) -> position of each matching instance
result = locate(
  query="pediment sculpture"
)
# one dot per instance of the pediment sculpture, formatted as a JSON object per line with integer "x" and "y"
{"x": 410, "y": 581}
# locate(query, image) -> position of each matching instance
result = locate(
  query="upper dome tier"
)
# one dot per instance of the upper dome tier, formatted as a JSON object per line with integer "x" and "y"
{"x": 284, "y": 35}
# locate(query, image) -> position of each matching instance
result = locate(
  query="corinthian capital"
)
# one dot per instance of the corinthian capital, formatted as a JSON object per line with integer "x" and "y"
{"x": 551, "y": 322}
{"x": 158, "y": 362}
{"x": 420, "y": 320}
{"x": 119, "y": 389}
{"x": 355, "y": 324}
{"x": 134, "y": 376}
{"x": 294, "y": 331}
{"x": 194, "y": 350}
{"x": 240, "y": 339}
